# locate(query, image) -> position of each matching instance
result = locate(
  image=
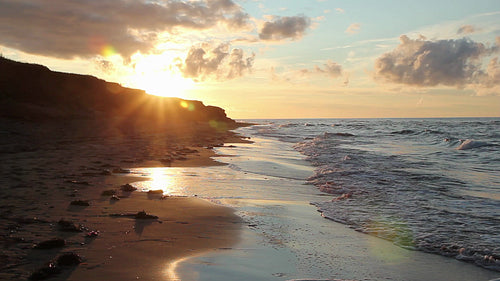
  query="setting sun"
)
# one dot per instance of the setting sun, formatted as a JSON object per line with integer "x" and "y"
{"x": 155, "y": 75}
{"x": 164, "y": 84}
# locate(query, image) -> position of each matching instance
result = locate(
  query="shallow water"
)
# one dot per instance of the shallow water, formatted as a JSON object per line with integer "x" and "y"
{"x": 424, "y": 184}
{"x": 284, "y": 237}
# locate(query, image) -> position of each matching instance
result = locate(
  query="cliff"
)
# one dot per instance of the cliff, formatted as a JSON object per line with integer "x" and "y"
{"x": 34, "y": 92}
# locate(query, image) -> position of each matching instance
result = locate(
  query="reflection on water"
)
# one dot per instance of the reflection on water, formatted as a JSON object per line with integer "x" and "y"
{"x": 285, "y": 238}
{"x": 171, "y": 271}
{"x": 160, "y": 179}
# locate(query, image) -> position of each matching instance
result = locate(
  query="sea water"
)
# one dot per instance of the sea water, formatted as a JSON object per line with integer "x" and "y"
{"x": 424, "y": 185}
{"x": 430, "y": 185}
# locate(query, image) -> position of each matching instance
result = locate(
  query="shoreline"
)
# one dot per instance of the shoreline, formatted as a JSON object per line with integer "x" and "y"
{"x": 286, "y": 238}
{"x": 46, "y": 166}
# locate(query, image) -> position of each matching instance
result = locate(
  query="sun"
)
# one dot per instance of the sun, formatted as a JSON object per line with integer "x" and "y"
{"x": 156, "y": 76}
{"x": 165, "y": 84}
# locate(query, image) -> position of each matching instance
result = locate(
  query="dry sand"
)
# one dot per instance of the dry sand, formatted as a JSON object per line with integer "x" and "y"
{"x": 45, "y": 166}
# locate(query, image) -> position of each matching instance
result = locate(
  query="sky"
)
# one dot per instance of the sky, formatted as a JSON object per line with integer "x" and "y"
{"x": 275, "y": 58}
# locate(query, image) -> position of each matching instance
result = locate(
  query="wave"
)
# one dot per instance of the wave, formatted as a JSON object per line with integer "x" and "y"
{"x": 471, "y": 144}
{"x": 404, "y": 132}
{"x": 328, "y": 135}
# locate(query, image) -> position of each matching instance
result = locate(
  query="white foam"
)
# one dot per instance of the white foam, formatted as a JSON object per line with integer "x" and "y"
{"x": 470, "y": 144}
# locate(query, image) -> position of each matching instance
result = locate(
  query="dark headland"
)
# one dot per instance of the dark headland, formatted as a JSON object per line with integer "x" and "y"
{"x": 34, "y": 92}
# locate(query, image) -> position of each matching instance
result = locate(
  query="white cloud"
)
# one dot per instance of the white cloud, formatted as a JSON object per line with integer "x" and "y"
{"x": 353, "y": 28}
{"x": 215, "y": 62}
{"x": 281, "y": 28}
{"x": 453, "y": 62}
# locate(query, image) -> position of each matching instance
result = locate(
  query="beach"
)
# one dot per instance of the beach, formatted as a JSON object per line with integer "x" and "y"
{"x": 237, "y": 140}
{"x": 285, "y": 238}
{"x": 49, "y": 166}
{"x": 230, "y": 209}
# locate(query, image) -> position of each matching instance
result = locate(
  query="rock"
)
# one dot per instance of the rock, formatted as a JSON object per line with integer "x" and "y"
{"x": 128, "y": 187}
{"x": 68, "y": 259}
{"x": 114, "y": 198}
{"x": 80, "y": 203}
{"x": 45, "y": 272}
{"x": 92, "y": 234}
{"x": 120, "y": 171}
{"x": 156, "y": 191}
{"x": 51, "y": 244}
{"x": 106, "y": 172}
{"x": 68, "y": 226}
{"x": 144, "y": 215}
{"x": 109, "y": 192}
{"x": 78, "y": 182}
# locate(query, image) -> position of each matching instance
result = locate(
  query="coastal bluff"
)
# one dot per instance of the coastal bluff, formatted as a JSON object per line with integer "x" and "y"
{"x": 34, "y": 92}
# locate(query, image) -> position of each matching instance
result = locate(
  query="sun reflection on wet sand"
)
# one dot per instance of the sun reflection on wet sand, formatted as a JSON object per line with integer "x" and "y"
{"x": 160, "y": 179}
{"x": 171, "y": 271}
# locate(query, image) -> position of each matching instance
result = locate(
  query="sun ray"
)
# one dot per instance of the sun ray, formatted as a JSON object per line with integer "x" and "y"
{"x": 157, "y": 76}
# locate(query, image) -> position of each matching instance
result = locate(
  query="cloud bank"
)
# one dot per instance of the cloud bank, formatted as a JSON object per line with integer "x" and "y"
{"x": 455, "y": 62}
{"x": 68, "y": 29}
{"x": 284, "y": 28}
{"x": 215, "y": 62}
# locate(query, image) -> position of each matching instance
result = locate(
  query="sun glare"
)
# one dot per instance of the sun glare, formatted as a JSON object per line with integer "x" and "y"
{"x": 164, "y": 84}
{"x": 161, "y": 179}
{"x": 154, "y": 75}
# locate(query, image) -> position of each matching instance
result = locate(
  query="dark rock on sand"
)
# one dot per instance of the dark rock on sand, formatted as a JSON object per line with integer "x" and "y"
{"x": 80, "y": 203}
{"x": 120, "y": 171}
{"x": 50, "y": 244}
{"x": 109, "y": 192}
{"x": 78, "y": 182}
{"x": 68, "y": 259}
{"x": 128, "y": 187}
{"x": 156, "y": 191}
{"x": 54, "y": 267}
{"x": 106, "y": 173}
{"x": 144, "y": 215}
{"x": 114, "y": 198}
{"x": 45, "y": 272}
{"x": 92, "y": 234}
{"x": 68, "y": 226}
{"x": 139, "y": 215}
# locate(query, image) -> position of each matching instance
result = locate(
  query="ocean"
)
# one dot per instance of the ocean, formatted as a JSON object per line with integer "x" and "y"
{"x": 351, "y": 199}
{"x": 430, "y": 185}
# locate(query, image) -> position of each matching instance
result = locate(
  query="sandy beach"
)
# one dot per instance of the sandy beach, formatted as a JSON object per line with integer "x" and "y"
{"x": 47, "y": 166}
{"x": 246, "y": 216}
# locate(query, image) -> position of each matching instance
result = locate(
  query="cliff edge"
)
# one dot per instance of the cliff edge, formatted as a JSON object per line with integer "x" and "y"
{"x": 34, "y": 92}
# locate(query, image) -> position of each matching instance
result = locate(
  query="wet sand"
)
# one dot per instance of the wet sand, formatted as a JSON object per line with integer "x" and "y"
{"x": 285, "y": 238}
{"x": 46, "y": 166}
{"x": 275, "y": 236}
